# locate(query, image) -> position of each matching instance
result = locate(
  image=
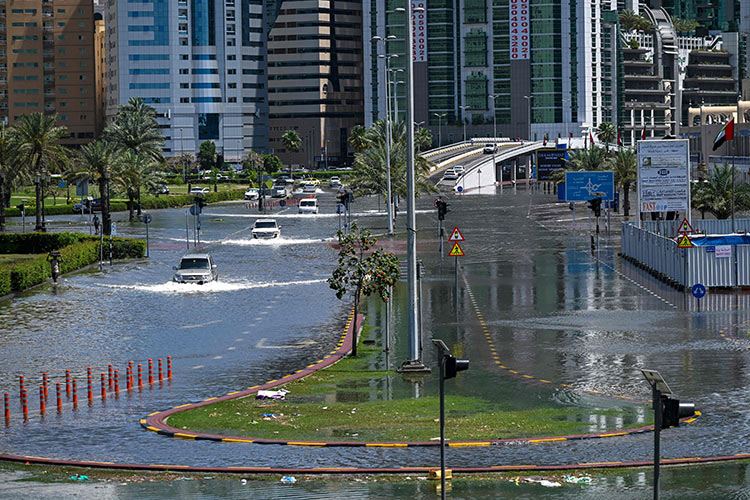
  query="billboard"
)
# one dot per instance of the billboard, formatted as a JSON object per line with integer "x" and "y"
{"x": 419, "y": 30}
{"x": 520, "y": 29}
{"x": 549, "y": 161}
{"x": 664, "y": 176}
{"x": 583, "y": 185}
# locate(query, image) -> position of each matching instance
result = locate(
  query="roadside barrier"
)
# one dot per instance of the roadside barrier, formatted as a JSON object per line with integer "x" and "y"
{"x": 67, "y": 382}
{"x": 277, "y": 203}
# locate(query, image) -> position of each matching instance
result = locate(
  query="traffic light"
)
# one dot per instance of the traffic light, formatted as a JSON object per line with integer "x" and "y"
{"x": 442, "y": 208}
{"x": 673, "y": 410}
{"x": 201, "y": 203}
{"x": 342, "y": 198}
{"x": 454, "y": 365}
{"x": 595, "y": 204}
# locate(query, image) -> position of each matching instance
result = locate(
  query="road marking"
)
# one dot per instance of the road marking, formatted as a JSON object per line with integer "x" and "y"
{"x": 305, "y": 343}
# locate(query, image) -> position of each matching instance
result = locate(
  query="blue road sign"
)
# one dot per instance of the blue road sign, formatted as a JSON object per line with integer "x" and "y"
{"x": 698, "y": 291}
{"x": 282, "y": 203}
{"x": 460, "y": 188}
{"x": 583, "y": 186}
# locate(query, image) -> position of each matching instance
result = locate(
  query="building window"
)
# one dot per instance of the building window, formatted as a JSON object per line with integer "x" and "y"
{"x": 203, "y": 22}
{"x": 184, "y": 71}
{"x": 208, "y": 126}
{"x": 232, "y": 99}
{"x": 184, "y": 100}
{"x": 184, "y": 85}
{"x": 231, "y": 72}
{"x": 83, "y": 117}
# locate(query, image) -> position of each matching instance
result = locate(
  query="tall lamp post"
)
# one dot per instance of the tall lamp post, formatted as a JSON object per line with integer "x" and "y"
{"x": 440, "y": 117}
{"x": 494, "y": 139}
{"x": 389, "y": 195}
{"x": 396, "y": 81}
{"x": 414, "y": 362}
{"x": 463, "y": 118}
{"x": 528, "y": 107}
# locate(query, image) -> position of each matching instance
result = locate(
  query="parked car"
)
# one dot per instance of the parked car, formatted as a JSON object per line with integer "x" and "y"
{"x": 196, "y": 268}
{"x": 334, "y": 181}
{"x": 308, "y": 206}
{"x": 450, "y": 175}
{"x": 252, "y": 194}
{"x": 88, "y": 206}
{"x": 490, "y": 149}
{"x": 308, "y": 188}
{"x": 198, "y": 190}
{"x": 266, "y": 229}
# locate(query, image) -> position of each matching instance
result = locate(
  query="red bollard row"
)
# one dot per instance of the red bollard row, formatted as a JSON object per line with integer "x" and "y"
{"x": 110, "y": 378}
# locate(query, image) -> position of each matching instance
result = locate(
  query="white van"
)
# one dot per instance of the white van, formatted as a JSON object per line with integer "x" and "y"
{"x": 308, "y": 206}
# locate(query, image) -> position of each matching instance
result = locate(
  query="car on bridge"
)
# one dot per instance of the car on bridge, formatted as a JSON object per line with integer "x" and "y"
{"x": 459, "y": 170}
{"x": 450, "y": 175}
{"x": 490, "y": 149}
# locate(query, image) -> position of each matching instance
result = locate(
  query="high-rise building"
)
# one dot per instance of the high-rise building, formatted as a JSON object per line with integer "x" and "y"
{"x": 315, "y": 78}
{"x": 47, "y": 63}
{"x": 200, "y": 63}
{"x": 534, "y": 69}
{"x": 100, "y": 71}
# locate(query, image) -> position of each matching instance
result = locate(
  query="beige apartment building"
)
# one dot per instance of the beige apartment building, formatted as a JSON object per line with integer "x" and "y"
{"x": 100, "y": 71}
{"x": 47, "y": 63}
{"x": 315, "y": 83}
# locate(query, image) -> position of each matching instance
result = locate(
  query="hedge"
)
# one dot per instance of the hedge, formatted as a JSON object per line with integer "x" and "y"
{"x": 182, "y": 200}
{"x": 77, "y": 250}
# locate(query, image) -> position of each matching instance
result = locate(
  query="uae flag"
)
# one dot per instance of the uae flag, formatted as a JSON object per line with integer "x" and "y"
{"x": 545, "y": 140}
{"x": 570, "y": 139}
{"x": 591, "y": 138}
{"x": 643, "y": 133}
{"x": 725, "y": 134}
{"x": 619, "y": 138}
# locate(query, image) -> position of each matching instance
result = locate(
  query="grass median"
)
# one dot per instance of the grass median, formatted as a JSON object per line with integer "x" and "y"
{"x": 351, "y": 401}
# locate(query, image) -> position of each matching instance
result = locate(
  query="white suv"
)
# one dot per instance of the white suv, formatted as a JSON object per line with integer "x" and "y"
{"x": 308, "y": 206}
{"x": 266, "y": 229}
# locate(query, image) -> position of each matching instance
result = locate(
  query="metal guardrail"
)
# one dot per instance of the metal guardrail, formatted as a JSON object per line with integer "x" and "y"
{"x": 687, "y": 266}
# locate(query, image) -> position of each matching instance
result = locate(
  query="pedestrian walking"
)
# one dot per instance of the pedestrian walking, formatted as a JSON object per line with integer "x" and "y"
{"x": 96, "y": 224}
{"x": 54, "y": 259}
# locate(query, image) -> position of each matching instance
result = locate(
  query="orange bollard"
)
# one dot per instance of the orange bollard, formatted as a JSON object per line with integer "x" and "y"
{"x": 75, "y": 394}
{"x": 140, "y": 376}
{"x": 110, "y": 376}
{"x": 21, "y": 387}
{"x": 7, "y": 408}
{"x": 161, "y": 372}
{"x": 131, "y": 376}
{"x": 127, "y": 378}
{"x": 169, "y": 367}
{"x": 67, "y": 383}
{"x": 150, "y": 371}
{"x": 59, "y": 399}
{"x": 117, "y": 382}
{"x": 44, "y": 382}
{"x": 90, "y": 388}
{"x": 104, "y": 388}
{"x": 25, "y": 404}
{"x": 42, "y": 406}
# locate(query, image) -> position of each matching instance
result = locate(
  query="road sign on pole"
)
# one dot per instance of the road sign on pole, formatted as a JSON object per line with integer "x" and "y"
{"x": 456, "y": 235}
{"x": 685, "y": 242}
{"x": 456, "y": 251}
{"x": 685, "y": 227}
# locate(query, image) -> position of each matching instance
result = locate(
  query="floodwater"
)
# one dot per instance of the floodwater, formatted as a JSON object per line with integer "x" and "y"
{"x": 580, "y": 326}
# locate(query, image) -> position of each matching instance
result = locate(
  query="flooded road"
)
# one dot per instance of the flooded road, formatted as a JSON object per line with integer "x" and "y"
{"x": 575, "y": 328}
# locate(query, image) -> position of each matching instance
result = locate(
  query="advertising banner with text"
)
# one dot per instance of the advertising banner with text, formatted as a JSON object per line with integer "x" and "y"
{"x": 663, "y": 175}
{"x": 419, "y": 30}
{"x": 520, "y": 29}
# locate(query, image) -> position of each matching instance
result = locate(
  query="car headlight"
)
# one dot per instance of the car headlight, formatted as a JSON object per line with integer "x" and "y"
{"x": 205, "y": 276}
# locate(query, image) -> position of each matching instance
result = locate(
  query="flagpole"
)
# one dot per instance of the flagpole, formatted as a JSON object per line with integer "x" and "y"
{"x": 734, "y": 153}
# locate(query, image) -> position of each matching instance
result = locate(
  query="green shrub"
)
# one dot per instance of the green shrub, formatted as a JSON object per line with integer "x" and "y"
{"x": 27, "y": 274}
{"x": 5, "y": 286}
{"x": 32, "y": 243}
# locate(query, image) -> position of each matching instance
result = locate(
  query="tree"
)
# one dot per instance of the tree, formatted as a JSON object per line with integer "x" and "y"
{"x": 135, "y": 172}
{"x": 715, "y": 194}
{"x": 272, "y": 163}
{"x": 587, "y": 159}
{"x": 361, "y": 270}
{"x": 37, "y": 141}
{"x": 135, "y": 128}
{"x": 623, "y": 164}
{"x": 682, "y": 25}
{"x": 10, "y": 168}
{"x": 630, "y": 21}
{"x": 93, "y": 162}
{"x": 607, "y": 134}
{"x": 207, "y": 155}
{"x": 292, "y": 142}
{"x": 422, "y": 139}
{"x": 357, "y": 139}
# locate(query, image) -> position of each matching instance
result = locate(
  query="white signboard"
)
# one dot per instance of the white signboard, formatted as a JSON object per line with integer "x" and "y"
{"x": 520, "y": 39}
{"x": 664, "y": 176}
{"x": 723, "y": 251}
{"x": 419, "y": 30}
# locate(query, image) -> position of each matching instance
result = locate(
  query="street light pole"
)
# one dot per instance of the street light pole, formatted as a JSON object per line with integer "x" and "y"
{"x": 440, "y": 127}
{"x": 528, "y": 100}
{"x": 463, "y": 118}
{"x": 389, "y": 196}
{"x": 414, "y": 362}
{"x": 494, "y": 142}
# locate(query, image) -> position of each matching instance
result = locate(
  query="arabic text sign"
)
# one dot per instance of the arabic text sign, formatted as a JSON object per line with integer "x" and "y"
{"x": 583, "y": 186}
{"x": 663, "y": 175}
{"x": 520, "y": 40}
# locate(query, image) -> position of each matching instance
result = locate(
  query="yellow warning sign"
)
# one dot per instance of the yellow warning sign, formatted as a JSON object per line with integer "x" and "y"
{"x": 456, "y": 251}
{"x": 685, "y": 242}
{"x": 685, "y": 227}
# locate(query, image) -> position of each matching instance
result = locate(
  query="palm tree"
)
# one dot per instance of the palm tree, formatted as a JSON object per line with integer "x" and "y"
{"x": 606, "y": 133}
{"x": 135, "y": 129}
{"x": 715, "y": 194}
{"x": 37, "y": 141}
{"x": 422, "y": 139}
{"x": 623, "y": 163}
{"x": 357, "y": 139}
{"x": 630, "y": 21}
{"x": 93, "y": 162}
{"x": 291, "y": 141}
{"x": 134, "y": 172}
{"x": 587, "y": 159}
{"x": 10, "y": 168}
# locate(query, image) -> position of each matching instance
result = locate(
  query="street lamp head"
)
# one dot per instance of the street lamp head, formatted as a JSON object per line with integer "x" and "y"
{"x": 376, "y": 38}
{"x": 399, "y": 9}
{"x": 390, "y": 37}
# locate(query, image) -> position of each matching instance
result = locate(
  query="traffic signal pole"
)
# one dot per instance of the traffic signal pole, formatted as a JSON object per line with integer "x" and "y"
{"x": 656, "y": 396}
{"x": 442, "y": 423}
